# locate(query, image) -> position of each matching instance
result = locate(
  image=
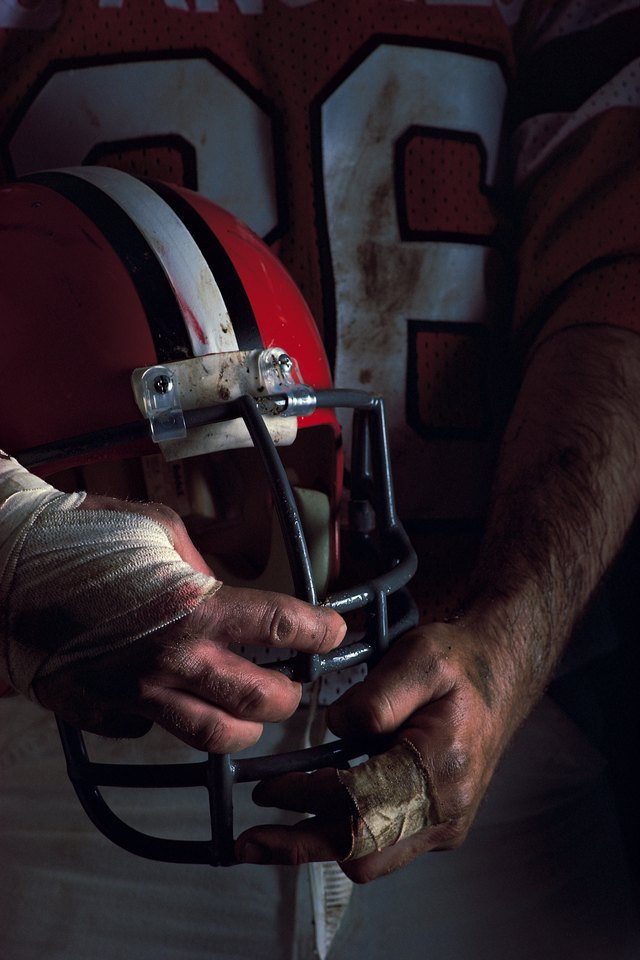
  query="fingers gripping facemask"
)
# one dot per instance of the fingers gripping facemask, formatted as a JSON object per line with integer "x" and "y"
{"x": 391, "y": 798}
{"x": 76, "y": 583}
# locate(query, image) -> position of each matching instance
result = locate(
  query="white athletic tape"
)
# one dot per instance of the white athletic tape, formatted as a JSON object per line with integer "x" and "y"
{"x": 75, "y": 584}
{"x": 391, "y": 798}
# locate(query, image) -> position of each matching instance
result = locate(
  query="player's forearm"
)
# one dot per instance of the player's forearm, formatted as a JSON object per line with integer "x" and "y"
{"x": 567, "y": 489}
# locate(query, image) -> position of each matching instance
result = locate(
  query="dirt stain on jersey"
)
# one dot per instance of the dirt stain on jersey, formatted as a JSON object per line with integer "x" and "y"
{"x": 389, "y": 271}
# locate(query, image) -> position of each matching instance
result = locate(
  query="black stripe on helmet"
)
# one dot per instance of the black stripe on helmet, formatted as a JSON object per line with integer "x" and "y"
{"x": 165, "y": 319}
{"x": 231, "y": 287}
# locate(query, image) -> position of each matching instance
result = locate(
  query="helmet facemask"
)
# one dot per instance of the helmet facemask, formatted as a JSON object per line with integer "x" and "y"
{"x": 256, "y": 471}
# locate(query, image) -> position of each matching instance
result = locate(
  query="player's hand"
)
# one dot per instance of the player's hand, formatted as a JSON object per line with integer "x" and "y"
{"x": 440, "y": 699}
{"x": 184, "y": 676}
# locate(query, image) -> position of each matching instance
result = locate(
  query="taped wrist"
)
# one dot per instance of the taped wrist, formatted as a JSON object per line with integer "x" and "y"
{"x": 76, "y": 584}
{"x": 391, "y": 798}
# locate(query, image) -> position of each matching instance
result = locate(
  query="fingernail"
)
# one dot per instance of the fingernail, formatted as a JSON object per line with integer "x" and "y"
{"x": 254, "y": 853}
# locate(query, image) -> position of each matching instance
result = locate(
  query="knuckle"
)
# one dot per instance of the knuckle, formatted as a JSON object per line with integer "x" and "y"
{"x": 329, "y": 629}
{"x": 295, "y": 856}
{"x": 454, "y": 765}
{"x": 210, "y": 731}
{"x": 214, "y": 736}
{"x": 218, "y": 733}
{"x": 170, "y": 521}
{"x": 161, "y": 663}
{"x": 321, "y": 627}
{"x": 378, "y": 714}
{"x": 450, "y": 835}
{"x": 166, "y": 515}
{"x": 305, "y": 850}
{"x": 432, "y": 666}
{"x": 459, "y": 805}
{"x": 145, "y": 691}
{"x": 281, "y": 627}
{"x": 185, "y": 658}
{"x": 251, "y": 701}
{"x": 166, "y": 711}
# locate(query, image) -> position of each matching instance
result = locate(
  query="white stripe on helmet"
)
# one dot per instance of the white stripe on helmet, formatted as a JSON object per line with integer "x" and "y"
{"x": 206, "y": 317}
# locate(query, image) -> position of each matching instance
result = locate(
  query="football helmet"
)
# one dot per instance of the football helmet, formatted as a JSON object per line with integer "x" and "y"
{"x": 159, "y": 350}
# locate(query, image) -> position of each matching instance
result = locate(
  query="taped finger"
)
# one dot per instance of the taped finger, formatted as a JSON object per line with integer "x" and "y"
{"x": 391, "y": 798}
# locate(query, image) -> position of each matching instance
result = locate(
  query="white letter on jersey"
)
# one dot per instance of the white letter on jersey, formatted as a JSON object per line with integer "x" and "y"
{"x": 382, "y": 281}
{"x": 230, "y": 133}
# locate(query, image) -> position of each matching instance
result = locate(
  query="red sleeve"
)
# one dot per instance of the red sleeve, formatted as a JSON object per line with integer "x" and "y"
{"x": 578, "y": 143}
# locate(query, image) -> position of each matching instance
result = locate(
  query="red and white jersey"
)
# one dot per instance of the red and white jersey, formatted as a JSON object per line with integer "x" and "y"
{"x": 368, "y": 141}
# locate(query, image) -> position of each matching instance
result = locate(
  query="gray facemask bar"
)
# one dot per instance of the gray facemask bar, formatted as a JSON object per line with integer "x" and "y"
{"x": 391, "y": 612}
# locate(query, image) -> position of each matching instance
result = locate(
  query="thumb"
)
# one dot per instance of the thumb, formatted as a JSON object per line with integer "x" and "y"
{"x": 242, "y": 615}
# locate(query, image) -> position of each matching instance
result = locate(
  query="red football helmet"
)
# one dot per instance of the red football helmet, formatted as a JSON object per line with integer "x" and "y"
{"x": 158, "y": 349}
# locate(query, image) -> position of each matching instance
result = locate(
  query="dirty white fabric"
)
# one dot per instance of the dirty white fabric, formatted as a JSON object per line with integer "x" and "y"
{"x": 121, "y": 579}
{"x": 391, "y": 798}
{"x": 331, "y": 893}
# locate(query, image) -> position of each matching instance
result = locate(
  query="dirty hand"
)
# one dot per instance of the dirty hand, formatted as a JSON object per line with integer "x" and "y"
{"x": 438, "y": 695}
{"x": 111, "y": 618}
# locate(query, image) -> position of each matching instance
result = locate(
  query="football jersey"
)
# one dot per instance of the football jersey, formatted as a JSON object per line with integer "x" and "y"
{"x": 407, "y": 159}
{"x": 448, "y": 183}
